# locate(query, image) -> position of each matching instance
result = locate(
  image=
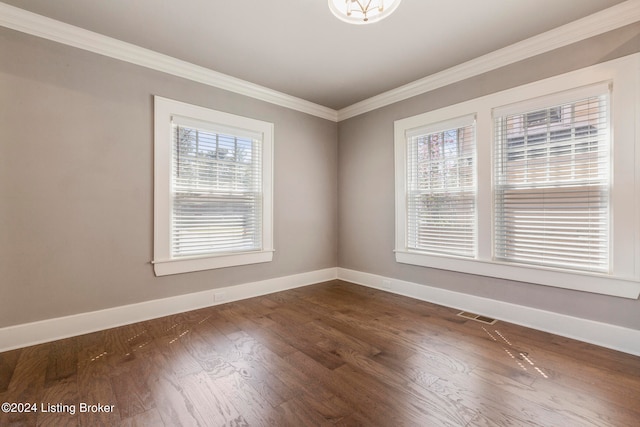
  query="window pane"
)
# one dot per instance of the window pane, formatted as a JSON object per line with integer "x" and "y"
{"x": 441, "y": 192}
{"x": 552, "y": 181}
{"x": 217, "y": 200}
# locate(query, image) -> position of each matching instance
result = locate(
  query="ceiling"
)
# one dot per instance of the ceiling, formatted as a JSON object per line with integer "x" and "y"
{"x": 299, "y": 48}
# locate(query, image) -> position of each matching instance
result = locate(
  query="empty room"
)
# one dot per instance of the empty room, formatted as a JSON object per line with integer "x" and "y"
{"x": 320, "y": 212}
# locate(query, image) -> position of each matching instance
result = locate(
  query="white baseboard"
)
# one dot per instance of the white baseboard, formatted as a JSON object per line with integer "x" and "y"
{"x": 602, "y": 334}
{"x": 27, "y": 334}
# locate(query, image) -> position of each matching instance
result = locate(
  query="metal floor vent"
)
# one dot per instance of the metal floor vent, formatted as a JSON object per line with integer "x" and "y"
{"x": 477, "y": 317}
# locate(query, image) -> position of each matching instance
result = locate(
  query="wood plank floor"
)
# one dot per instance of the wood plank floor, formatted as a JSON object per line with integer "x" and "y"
{"x": 328, "y": 354}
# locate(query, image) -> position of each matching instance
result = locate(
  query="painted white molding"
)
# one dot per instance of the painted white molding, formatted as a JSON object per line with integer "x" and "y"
{"x": 606, "y": 335}
{"x": 598, "y": 23}
{"x": 51, "y": 29}
{"x": 27, "y": 334}
{"x": 37, "y": 25}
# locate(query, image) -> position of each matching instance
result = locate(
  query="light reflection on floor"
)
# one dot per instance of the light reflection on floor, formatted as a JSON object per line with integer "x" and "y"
{"x": 517, "y": 356}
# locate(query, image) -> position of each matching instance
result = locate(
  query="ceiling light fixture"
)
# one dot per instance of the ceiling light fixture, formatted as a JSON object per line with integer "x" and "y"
{"x": 362, "y": 11}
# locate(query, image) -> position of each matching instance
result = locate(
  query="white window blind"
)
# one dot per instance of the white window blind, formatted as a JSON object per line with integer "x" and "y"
{"x": 216, "y": 189}
{"x": 441, "y": 188}
{"x": 552, "y": 183}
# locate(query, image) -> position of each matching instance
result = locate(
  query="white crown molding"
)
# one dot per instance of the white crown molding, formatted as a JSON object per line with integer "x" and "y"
{"x": 603, "y": 334}
{"x": 607, "y": 20}
{"x": 28, "y": 334}
{"x": 598, "y": 23}
{"x": 51, "y": 29}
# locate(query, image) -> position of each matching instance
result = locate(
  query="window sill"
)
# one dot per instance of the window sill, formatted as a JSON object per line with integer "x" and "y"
{"x": 187, "y": 265}
{"x": 594, "y": 283}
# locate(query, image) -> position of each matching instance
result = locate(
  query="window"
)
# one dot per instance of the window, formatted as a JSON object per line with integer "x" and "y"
{"x": 212, "y": 189}
{"x": 441, "y": 188}
{"x": 551, "y": 190}
{"x": 553, "y": 193}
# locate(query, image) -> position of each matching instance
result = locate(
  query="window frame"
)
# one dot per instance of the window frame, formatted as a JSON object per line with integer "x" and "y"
{"x": 163, "y": 262}
{"x": 623, "y": 280}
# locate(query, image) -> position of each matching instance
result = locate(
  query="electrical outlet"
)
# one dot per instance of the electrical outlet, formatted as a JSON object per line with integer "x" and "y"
{"x": 386, "y": 284}
{"x": 219, "y": 297}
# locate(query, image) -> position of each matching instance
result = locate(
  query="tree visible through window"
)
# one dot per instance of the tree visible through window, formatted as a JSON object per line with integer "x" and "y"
{"x": 217, "y": 201}
{"x": 441, "y": 180}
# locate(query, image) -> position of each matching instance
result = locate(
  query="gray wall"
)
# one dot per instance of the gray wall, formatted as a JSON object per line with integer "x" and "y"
{"x": 366, "y": 186}
{"x": 76, "y": 183}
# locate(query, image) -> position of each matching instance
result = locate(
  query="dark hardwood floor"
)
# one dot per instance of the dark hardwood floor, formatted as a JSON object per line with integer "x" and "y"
{"x": 327, "y": 354}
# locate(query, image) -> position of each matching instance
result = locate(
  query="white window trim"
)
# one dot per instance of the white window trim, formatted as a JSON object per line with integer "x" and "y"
{"x": 624, "y": 279}
{"x": 163, "y": 263}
